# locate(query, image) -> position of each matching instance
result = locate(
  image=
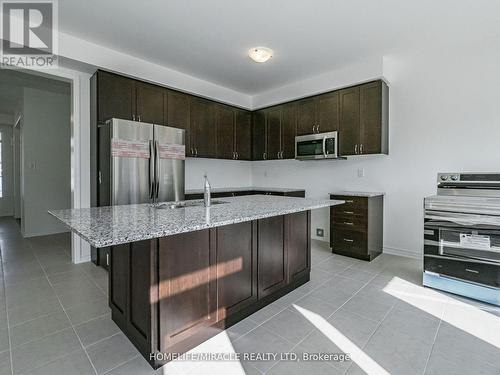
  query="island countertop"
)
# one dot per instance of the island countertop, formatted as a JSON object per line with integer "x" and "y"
{"x": 114, "y": 225}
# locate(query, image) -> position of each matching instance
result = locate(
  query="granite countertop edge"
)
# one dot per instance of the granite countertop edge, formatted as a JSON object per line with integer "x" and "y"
{"x": 99, "y": 241}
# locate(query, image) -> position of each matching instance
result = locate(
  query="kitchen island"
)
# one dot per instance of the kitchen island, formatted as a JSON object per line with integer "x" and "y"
{"x": 180, "y": 275}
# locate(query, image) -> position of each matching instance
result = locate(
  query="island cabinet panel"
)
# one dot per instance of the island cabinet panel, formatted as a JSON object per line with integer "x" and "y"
{"x": 236, "y": 268}
{"x": 187, "y": 285}
{"x": 297, "y": 239}
{"x": 271, "y": 255}
{"x": 132, "y": 283}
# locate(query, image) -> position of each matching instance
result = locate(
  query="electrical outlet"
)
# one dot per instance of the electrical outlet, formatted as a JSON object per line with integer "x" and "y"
{"x": 320, "y": 232}
{"x": 361, "y": 172}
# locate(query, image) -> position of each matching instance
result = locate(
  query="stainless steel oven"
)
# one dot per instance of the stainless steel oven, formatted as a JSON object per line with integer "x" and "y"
{"x": 317, "y": 146}
{"x": 462, "y": 236}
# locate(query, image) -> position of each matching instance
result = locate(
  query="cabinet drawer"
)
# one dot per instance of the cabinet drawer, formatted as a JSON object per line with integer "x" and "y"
{"x": 349, "y": 242}
{"x": 350, "y": 223}
{"x": 357, "y": 205}
{"x": 482, "y": 273}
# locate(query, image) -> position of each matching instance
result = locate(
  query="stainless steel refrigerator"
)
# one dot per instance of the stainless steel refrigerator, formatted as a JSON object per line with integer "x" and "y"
{"x": 140, "y": 163}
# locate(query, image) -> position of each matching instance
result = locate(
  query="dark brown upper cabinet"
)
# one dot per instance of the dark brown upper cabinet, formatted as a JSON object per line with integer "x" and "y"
{"x": 259, "y": 146}
{"x": 203, "y": 128}
{"x": 243, "y": 135}
{"x": 115, "y": 97}
{"x": 319, "y": 114}
{"x": 373, "y": 118}
{"x": 150, "y": 103}
{"x": 225, "y": 121}
{"x": 177, "y": 114}
{"x": 349, "y": 121}
{"x": 273, "y": 137}
{"x": 288, "y": 130}
{"x": 306, "y": 116}
{"x": 364, "y": 119}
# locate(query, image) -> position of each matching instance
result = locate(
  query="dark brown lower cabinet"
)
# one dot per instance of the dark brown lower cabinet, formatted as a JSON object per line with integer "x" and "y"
{"x": 356, "y": 227}
{"x": 272, "y": 255}
{"x": 170, "y": 294}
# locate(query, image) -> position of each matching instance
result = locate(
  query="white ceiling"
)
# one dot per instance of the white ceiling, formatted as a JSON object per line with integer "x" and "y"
{"x": 210, "y": 39}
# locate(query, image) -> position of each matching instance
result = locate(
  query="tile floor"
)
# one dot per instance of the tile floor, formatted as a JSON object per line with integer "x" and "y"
{"x": 54, "y": 319}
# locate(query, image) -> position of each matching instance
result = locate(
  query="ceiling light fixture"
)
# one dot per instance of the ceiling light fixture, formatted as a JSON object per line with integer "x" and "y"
{"x": 260, "y": 54}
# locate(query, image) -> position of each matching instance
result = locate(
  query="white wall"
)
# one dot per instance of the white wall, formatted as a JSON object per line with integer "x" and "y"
{"x": 46, "y": 150}
{"x": 444, "y": 116}
{"x": 221, "y": 173}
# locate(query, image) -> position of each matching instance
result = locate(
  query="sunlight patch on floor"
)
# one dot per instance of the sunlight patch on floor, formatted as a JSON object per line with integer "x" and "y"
{"x": 365, "y": 362}
{"x": 464, "y": 316}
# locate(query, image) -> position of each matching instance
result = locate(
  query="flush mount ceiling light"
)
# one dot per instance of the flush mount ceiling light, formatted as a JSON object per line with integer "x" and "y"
{"x": 260, "y": 54}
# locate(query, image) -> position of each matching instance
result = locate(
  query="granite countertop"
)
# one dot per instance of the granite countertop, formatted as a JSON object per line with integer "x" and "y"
{"x": 367, "y": 194}
{"x": 114, "y": 225}
{"x": 247, "y": 188}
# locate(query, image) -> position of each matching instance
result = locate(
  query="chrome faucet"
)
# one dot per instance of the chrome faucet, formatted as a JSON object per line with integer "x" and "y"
{"x": 206, "y": 192}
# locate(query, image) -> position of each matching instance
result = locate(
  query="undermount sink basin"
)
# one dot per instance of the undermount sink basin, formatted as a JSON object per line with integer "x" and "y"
{"x": 186, "y": 204}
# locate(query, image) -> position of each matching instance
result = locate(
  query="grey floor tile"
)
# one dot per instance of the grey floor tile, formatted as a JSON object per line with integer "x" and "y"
{"x": 22, "y": 296}
{"x": 357, "y": 274}
{"x": 333, "y": 266}
{"x": 102, "y": 283}
{"x": 38, "y": 328}
{"x": 137, "y": 366}
{"x": 463, "y": 348}
{"x": 239, "y": 329}
{"x": 96, "y": 330}
{"x": 75, "y": 363}
{"x": 70, "y": 277}
{"x": 398, "y": 352}
{"x": 369, "y": 307}
{"x": 290, "y": 325}
{"x": 88, "y": 310}
{"x": 266, "y": 313}
{"x": 301, "y": 368}
{"x": 111, "y": 352}
{"x": 34, "y": 354}
{"x": 260, "y": 340}
{"x": 410, "y": 321}
{"x": 74, "y": 297}
{"x": 354, "y": 327}
{"x": 32, "y": 310}
{"x": 4, "y": 338}
{"x": 5, "y": 368}
{"x": 290, "y": 298}
{"x": 315, "y": 305}
{"x": 331, "y": 295}
{"x": 318, "y": 342}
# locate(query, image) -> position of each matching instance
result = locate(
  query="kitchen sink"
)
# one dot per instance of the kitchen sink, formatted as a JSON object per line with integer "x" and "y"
{"x": 173, "y": 205}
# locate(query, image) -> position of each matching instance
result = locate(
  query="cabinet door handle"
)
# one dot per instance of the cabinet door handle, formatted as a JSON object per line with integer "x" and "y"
{"x": 196, "y": 151}
{"x": 264, "y": 156}
{"x": 361, "y": 148}
{"x": 348, "y": 240}
{"x": 138, "y": 117}
{"x": 237, "y": 156}
{"x": 349, "y": 212}
{"x": 133, "y": 117}
{"x": 348, "y": 223}
{"x": 349, "y": 201}
{"x": 356, "y": 149}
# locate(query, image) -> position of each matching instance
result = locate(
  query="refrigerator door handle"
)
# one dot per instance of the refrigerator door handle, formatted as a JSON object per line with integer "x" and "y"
{"x": 157, "y": 169}
{"x": 151, "y": 170}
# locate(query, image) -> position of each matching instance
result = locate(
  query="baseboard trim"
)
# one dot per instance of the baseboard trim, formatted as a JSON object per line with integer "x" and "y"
{"x": 402, "y": 252}
{"x": 83, "y": 260}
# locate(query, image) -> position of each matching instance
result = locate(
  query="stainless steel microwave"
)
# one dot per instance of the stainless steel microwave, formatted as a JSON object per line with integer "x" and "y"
{"x": 317, "y": 146}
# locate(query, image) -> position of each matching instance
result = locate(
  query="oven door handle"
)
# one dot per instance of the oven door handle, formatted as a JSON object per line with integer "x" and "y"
{"x": 463, "y": 219}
